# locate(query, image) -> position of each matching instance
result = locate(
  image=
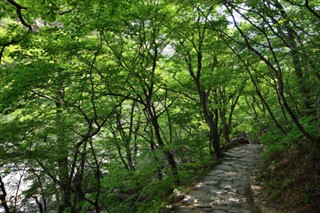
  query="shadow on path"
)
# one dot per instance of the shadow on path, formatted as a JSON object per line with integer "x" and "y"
{"x": 226, "y": 189}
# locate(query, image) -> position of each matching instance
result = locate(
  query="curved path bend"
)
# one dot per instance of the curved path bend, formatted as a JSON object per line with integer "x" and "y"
{"x": 226, "y": 189}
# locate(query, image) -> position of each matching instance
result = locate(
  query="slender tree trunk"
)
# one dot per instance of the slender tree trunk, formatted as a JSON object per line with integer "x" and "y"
{"x": 214, "y": 136}
{"x": 97, "y": 177}
{"x": 225, "y": 126}
{"x": 169, "y": 155}
{"x": 153, "y": 147}
{"x": 296, "y": 60}
{"x": 278, "y": 76}
{"x": 126, "y": 139}
{"x": 78, "y": 180}
{"x": 256, "y": 86}
{"x": 291, "y": 113}
{"x": 211, "y": 121}
{"x": 63, "y": 170}
{"x": 39, "y": 205}
{"x": 44, "y": 206}
{"x": 3, "y": 196}
{"x": 318, "y": 115}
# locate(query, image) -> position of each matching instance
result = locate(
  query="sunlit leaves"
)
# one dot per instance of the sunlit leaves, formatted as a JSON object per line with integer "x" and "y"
{"x": 96, "y": 67}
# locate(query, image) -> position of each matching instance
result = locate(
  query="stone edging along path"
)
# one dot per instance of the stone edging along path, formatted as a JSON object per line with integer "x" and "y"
{"x": 226, "y": 189}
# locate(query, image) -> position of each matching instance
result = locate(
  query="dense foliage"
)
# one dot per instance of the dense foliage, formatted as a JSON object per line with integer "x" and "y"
{"x": 111, "y": 106}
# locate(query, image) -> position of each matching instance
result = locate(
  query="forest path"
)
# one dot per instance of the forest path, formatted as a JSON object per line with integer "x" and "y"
{"x": 226, "y": 189}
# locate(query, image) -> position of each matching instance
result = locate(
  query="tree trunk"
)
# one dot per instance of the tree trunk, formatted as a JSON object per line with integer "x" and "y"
{"x": 63, "y": 170}
{"x": 318, "y": 116}
{"x": 297, "y": 61}
{"x": 169, "y": 155}
{"x": 278, "y": 76}
{"x": 211, "y": 121}
{"x": 225, "y": 126}
{"x": 3, "y": 197}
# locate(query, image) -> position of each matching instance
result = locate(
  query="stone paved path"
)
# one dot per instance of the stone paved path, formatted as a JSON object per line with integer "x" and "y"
{"x": 226, "y": 189}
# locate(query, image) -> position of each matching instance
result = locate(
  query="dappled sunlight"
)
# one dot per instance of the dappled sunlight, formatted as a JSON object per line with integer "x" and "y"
{"x": 227, "y": 187}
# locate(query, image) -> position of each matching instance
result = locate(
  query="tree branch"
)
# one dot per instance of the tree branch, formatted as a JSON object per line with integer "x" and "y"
{"x": 306, "y": 4}
{"x": 18, "y": 10}
{"x": 311, "y": 10}
{"x": 4, "y": 46}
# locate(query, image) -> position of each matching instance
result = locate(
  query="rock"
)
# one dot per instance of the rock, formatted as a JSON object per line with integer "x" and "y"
{"x": 218, "y": 192}
{"x": 225, "y": 185}
{"x": 224, "y": 167}
{"x": 219, "y": 211}
{"x": 215, "y": 172}
{"x": 223, "y": 208}
{"x": 226, "y": 188}
{"x": 212, "y": 183}
{"x": 182, "y": 210}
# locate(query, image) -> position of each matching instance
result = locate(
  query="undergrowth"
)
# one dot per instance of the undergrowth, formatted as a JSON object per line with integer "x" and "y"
{"x": 291, "y": 174}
